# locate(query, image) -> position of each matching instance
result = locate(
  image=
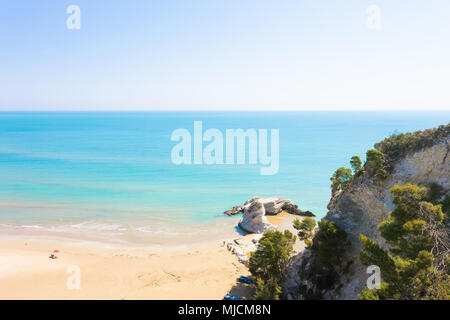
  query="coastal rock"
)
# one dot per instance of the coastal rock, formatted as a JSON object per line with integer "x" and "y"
{"x": 296, "y": 287}
{"x": 272, "y": 206}
{"x": 235, "y": 210}
{"x": 242, "y": 247}
{"x": 254, "y": 219}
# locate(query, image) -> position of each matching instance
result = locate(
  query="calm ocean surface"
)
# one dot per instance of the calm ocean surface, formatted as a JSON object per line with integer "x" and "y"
{"x": 113, "y": 171}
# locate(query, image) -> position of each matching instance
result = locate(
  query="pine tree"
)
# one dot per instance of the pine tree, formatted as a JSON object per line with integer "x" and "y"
{"x": 355, "y": 163}
{"x": 305, "y": 228}
{"x": 374, "y": 161}
{"x": 268, "y": 262}
{"x": 267, "y": 289}
{"x": 416, "y": 265}
{"x": 341, "y": 178}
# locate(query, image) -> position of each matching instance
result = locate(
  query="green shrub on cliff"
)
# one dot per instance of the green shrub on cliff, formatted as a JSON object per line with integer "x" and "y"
{"x": 415, "y": 266}
{"x": 435, "y": 192}
{"x": 274, "y": 250}
{"x": 436, "y": 195}
{"x": 328, "y": 246}
{"x": 374, "y": 161}
{"x": 381, "y": 174}
{"x": 355, "y": 163}
{"x": 305, "y": 229}
{"x": 330, "y": 243}
{"x": 341, "y": 178}
{"x": 267, "y": 264}
{"x": 267, "y": 289}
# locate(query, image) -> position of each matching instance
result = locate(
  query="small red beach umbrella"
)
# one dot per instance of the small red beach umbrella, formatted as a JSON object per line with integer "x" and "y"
{"x": 55, "y": 251}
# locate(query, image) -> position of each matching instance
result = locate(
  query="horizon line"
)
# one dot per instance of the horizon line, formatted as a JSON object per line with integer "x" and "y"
{"x": 218, "y": 110}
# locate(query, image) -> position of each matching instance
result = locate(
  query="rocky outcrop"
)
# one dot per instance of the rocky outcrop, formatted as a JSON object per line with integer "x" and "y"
{"x": 334, "y": 194}
{"x": 272, "y": 206}
{"x": 254, "y": 219}
{"x": 255, "y": 210}
{"x": 242, "y": 247}
{"x": 359, "y": 210}
{"x": 234, "y": 211}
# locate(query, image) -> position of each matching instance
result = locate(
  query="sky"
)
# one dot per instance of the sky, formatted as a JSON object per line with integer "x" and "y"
{"x": 225, "y": 55}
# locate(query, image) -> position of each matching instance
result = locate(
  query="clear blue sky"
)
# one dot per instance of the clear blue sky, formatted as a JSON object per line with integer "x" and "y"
{"x": 224, "y": 54}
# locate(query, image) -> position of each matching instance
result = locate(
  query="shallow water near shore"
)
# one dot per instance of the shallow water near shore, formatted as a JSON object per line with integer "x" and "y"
{"x": 109, "y": 174}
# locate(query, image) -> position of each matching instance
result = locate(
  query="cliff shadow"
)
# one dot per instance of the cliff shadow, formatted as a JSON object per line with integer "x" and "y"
{"x": 240, "y": 231}
{"x": 243, "y": 290}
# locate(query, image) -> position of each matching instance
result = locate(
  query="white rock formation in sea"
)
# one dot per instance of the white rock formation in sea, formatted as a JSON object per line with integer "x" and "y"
{"x": 255, "y": 210}
{"x": 254, "y": 219}
{"x": 272, "y": 205}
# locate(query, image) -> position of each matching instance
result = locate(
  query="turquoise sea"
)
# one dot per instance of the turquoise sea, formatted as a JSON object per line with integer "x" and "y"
{"x": 112, "y": 171}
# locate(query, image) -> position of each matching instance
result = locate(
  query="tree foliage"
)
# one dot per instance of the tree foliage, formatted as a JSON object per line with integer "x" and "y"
{"x": 330, "y": 243}
{"x": 326, "y": 264}
{"x": 416, "y": 265}
{"x": 341, "y": 178}
{"x": 305, "y": 228}
{"x": 269, "y": 261}
{"x": 355, "y": 163}
{"x": 267, "y": 289}
{"x": 375, "y": 164}
{"x": 399, "y": 145}
{"x": 435, "y": 192}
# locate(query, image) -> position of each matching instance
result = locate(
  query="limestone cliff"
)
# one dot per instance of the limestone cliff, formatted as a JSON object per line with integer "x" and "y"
{"x": 359, "y": 210}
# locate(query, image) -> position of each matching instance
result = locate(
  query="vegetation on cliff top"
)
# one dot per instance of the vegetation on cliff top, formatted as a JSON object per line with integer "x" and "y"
{"x": 379, "y": 160}
{"x": 355, "y": 163}
{"x": 341, "y": 178}
{"x": 373, "y": 167}
{"x": 399, "y": 145}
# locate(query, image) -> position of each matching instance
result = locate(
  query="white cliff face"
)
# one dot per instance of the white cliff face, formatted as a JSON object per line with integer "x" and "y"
{"x": 430, "y": 165}
{"x": 254, "y": 219}
{"x": 366, "y": 203}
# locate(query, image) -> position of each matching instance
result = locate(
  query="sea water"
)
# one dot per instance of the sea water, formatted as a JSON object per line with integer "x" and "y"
{"x": 73, "y": 172}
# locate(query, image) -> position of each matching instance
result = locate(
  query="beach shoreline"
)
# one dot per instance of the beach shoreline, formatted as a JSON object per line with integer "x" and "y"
{"x": 187, "y": 270}
{"x": 126, "y": 234}
{"x": 195, "y": 271}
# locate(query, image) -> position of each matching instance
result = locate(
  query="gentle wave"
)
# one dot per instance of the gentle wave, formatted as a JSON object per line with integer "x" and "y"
{"x": 111, "y": 232}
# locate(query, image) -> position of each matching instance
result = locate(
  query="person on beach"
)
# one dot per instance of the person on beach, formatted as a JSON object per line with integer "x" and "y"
{"x": 52, "y": 256}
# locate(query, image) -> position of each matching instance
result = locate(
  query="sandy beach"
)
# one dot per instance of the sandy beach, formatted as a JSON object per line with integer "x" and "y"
{"x": 193, "y": 271}
{"x": 206, "y": 271}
